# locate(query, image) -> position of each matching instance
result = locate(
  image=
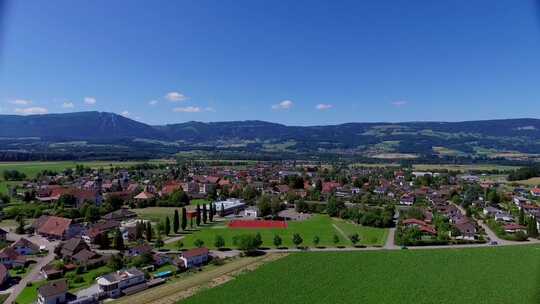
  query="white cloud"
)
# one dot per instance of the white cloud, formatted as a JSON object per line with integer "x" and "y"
{"x": 323, "y": 106}
{"x": 284, "y": 105}
{"x": 31, "y": 110}
{"x": 188, "y": 109}
{"x": 20, "y": 102}
{"x": 125, "y": 113}
{"x": 209, "y": 109}
{"x": 153, "y": 102}
{"x": 399, "y": 103}
{"x": 68, "y": 105}
{"x": 175, "y": 96}
{"x": 90, "y": 101}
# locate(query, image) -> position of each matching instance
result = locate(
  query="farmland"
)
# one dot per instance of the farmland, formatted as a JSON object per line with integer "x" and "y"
{"x": 31, "y": 169}
{"x": 318, "y": 225}
{"x": 475, "y": 275}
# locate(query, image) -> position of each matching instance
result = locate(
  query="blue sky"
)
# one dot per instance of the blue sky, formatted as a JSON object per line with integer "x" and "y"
{"x": 293, "y": 62}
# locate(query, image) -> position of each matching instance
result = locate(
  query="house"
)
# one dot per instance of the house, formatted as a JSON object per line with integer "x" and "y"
{"x": 229, "y": 206}
{"x": 11, "y": 258}
{"x": 139, "y": 250}
{"x": 25, "y": 247}
{"x": 420, "y": 225}
{"x": 535, "y": 192}
{"x": 466, "y": 229}
{"x": 251, "y": 212}
{"x": 57, "y": 228}
{"x": 71, "y": 247}
{"x": 503, "y": 217}
{"x": 513, "y": 228}
{"x": 407, "y": 200}
{"x": 4, "y": 274}
{"x": 120, "y": 215}
{"x": 98, "y": 229}
{"x": 89, "y": 258}
{"x": 144, "y": 196}
{"x": 194, "y": 257}
{"x": 51, "y": 272}
{"x": 122, "y": 282}
{"x": 53, "y": 293}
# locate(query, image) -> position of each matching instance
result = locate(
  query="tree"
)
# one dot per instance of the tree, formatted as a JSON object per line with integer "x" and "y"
{"x": 354, "y": 238}
{"x": 204, "y": 214}
{"x": 159, "y": 241}
{"x": 198, "y": 215}
{"x": 139, "y": 230}
{"x": 219, "y": 242}
{"x": 222, "y": 210}
{"x": 258, "y": 239}
{"x": 316, "y": 241}
{"x": 521, "y": 218}
{"x": 116, "y": 262}
{"x": 297, "y": 239}
{"x": 184, "y": 219}
{"x": 336, "y": 239}
{"x": 212, "y": 212}
{"x": 199, "y": 243}
{"x": 532, "y": 229}
{"x": 20, "y": 226}
{"x": 91, "y": 213}
{"x": 118, "y": 241}
{"x": 264, "y": 205}
{"x": 277, "y": 241}
{"x": 148, "y": 231}
{"x": 248, "y": 243}
{"x": 176, "y": 222}
{"x": 167, "y": 226}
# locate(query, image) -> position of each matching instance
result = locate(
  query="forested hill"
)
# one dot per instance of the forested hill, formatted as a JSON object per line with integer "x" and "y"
{"x": 372, "y": 139}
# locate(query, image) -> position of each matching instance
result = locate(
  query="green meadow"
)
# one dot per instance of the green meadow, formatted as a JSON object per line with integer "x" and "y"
{"x": 318, "y": 225}
{"x": 496, "y": 275}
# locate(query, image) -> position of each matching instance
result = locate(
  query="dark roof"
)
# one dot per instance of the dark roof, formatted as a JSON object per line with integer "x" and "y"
{"x": 2, "y": 231}
{"x": 71, "y": 245}
{"x": 120, "y": 214}
{"x": 84, "y": 255}
{"x": 22, "y": 242}
{"x": 53, "y": 288}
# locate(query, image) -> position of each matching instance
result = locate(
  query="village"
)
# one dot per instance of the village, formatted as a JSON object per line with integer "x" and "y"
{"x": 83, "y": 235}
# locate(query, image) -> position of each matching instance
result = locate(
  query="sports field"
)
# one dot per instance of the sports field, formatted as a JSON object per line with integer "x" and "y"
{"x": 318, "y": 225}
{"x": 476, "y": 275}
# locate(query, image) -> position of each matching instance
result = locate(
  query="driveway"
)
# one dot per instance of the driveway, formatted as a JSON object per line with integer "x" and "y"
{"x": 34, "y": 274}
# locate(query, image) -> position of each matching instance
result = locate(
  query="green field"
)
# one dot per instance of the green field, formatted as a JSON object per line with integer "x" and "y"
{"x": 318, "y": 225}
{"x": 156, "y": 214}
{"x": 463, "y": 168}
{"x": 476, "y": 275}
{"x": 31, "y": 169}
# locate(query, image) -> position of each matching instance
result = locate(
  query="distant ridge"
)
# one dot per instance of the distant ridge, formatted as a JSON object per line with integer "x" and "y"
{"x": 467, "y": 137}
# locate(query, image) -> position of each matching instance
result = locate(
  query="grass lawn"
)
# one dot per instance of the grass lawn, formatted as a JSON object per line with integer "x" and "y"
{"x": 318, "y": 225}
{"x": 156, "y": 214}
{"x": 535, "y": 181}
{"x": 445, "y": 276}
{"x": 3, "y": 297}
{"x": 21, "y": 272}
{"x": 199, "y": 201}
{"x": 29, "y": 294}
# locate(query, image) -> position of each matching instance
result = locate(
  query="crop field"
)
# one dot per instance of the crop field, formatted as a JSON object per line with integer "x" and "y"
{"x": 318, "y": 225}
{"x": 447, "y": 276}
{"x": 464, "y": 168}
{"x": 32, "y": 168}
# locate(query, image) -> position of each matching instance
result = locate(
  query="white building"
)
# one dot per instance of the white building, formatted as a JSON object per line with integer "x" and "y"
{"x": 122, "y": 282}
{"x": 230, "y": 206}
{"x": 195, "y": 257}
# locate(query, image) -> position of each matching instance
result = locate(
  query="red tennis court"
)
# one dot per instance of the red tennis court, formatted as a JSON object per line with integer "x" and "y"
{"x": 257, "y": 224}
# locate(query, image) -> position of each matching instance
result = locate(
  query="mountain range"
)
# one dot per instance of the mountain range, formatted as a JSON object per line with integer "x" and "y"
{"x": 491, "y": 138}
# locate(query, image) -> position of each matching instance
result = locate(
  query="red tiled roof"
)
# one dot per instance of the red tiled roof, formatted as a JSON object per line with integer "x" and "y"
{"x": 54, "y": 225}
{"x": 195, "y": 252}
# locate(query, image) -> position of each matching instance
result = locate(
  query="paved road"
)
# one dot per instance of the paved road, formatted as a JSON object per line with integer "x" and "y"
{"x": 34, "y": 274}
{"x": 390, "y": 245}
